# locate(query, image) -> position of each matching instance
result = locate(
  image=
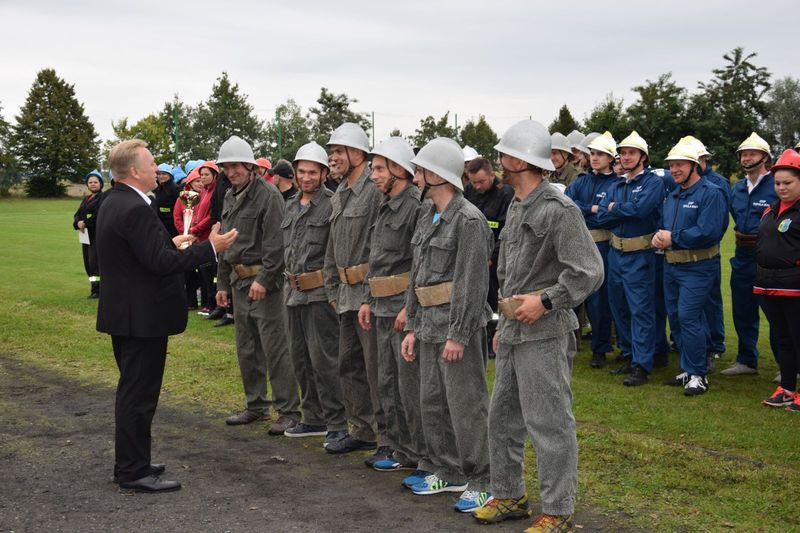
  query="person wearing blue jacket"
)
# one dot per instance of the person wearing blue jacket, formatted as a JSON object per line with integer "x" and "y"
{"x": 632, "y": 210}
{"x": 749, "y": 199}
{"x": 587, "y": 191}
{"x": 693, "y": 220}
{"x": 714, "y": 314}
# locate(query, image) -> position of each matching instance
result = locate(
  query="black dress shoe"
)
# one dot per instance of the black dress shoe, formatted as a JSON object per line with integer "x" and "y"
{"x": 598, "y": 360}
{"x": 226, "y": 320}
{"x": 638, "y": 377}
{"x": 216, "y": 314}
{"x": 624, "y": 369}
{"x": 156, "y": 469}
{"x": 150, "y": 484}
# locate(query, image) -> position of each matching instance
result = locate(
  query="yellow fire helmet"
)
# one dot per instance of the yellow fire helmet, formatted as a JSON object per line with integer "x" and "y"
{"x": 634, "y": 140}
{"x": 699, "y": 146}
{"x": 683, "y": 151}
{"x": 604, "y": 143}
{"x": 754, "y": 142}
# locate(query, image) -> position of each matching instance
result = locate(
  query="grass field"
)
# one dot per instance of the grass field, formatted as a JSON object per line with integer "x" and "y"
{"x": 649, "y": 457}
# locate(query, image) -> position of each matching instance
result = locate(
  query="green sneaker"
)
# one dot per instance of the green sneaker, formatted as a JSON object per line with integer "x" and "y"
{"x": 499, "y": 509}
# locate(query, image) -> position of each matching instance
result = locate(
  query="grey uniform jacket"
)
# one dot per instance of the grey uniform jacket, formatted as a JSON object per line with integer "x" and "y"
{"x": 354, "y": 211}
{"x": 390, "y": 248}
{"x": 257, "y": 213}
{"x": 457, "y": 248}
{"x": 545, "y": 245}
{"x": 305, "y": 237}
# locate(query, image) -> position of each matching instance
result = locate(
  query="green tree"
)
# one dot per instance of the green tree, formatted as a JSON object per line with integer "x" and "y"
{"x": 331, "y": 111}
{"x": 480, "y": 136}
{"x": 659, "y": 115}
{"x": 150, "y": 129}
{"x": 564, "y": 122}
{"x": 179, "y": 121}
{"x": 226, "y": 112}
{"x": 53, "y": 139}
{"x": 608, "y": 115}
{"x": 287, "y": 132}
{"x": 783, "y": 103}
{"x": 395, "y": 133}
{"x": 430, "y": 128}
{"x": 9, "y": 174}
{"x": 730, "y": 106}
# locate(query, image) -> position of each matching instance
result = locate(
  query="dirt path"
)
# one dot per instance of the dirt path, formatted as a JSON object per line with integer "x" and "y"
{"x": 56, "y": 455}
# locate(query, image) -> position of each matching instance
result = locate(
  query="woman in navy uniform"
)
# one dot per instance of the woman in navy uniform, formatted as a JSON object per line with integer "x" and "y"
{"x": 85, "y": 219}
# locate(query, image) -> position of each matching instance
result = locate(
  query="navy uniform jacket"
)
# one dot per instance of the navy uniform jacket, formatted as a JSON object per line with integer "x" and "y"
{"x": 591, "y": 189}
{"x": 87, "y": 212}
{"x": 748, "y": 208}
{"x": 141, "y": 290}
{"x": 637, "y": 205}
{"x": 696, "y": 216}
{"x": 494, "y": 206}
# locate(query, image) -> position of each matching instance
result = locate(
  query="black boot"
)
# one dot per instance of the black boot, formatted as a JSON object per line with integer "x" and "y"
{"x": 638, "y": 377}
{"x": 624, "y": 369}
{"x": 598, "y": 360}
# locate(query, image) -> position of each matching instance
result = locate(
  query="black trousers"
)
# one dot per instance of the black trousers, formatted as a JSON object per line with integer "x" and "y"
{"x": 90, "y": 259}
{"x": 782, "y": 313}
{"x": 208, "y": 289}
{"x": 141, "y": 370}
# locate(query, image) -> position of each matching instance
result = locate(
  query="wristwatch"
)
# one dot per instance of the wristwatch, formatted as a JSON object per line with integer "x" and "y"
{"x": 546, "y": 302}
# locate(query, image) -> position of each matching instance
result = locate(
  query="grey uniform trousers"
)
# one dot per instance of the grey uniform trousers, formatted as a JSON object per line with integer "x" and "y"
{"x": 358, "y": 375}
{"x": 398, "y": 382}
{"x": 261, "y": 346}
{"x": 532, "y": 396}
{"x": 314, "y": 345}
{"x": 454, "y": 403}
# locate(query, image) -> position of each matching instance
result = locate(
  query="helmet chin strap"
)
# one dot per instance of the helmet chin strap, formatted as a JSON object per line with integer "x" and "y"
{"x": 753, "y": 166}
{"x": 638, "y": 162}
{"x": 428, "y": 183}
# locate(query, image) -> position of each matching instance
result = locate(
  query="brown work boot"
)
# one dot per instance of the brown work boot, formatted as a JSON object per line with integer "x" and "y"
{"x": 281, "y": 424}
{"x": 245, "y": 417}
{"x": 548, "y": 523}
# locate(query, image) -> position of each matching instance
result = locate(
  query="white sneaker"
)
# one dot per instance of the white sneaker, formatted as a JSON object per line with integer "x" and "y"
{"x": 738, "y": 369}
{"x": 697, "y": 385}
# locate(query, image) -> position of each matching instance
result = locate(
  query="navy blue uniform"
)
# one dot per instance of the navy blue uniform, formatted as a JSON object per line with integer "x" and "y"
{"x": 696, "y": 217}
{"x": 631, "y": 275}
{"x": 747, "y": 209}
{"x": 587, "y": 190}
{"x": 715, "y": 317}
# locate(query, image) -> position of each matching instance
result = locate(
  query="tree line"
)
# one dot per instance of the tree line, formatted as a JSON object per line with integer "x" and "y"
{"x": 52, "y": 141}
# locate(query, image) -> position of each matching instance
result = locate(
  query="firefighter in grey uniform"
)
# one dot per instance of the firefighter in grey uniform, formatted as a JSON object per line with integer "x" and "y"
{"x": 313, "y": 325}
{"x": 355, "y": 207}
{"x": 389, "y": 270}
{"x": 251, "y": 273}
{"x": 447, "y": 313}
{"x": 548, "y": 264}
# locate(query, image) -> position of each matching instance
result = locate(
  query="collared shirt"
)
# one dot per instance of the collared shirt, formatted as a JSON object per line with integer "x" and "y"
{"x": 546, "y": 246}
{"x": 354, "y": 210}
{"x": 456, "y": 248}
{"x": 390, "y": 247}
{"x": 566, "y": 175}
{"x": 305, "y": 237}
{"x": 256, "y": 211}
{"x": 747, "y": 205}
{"x": 751, "y": 185}
{"x": 140, "y": 193}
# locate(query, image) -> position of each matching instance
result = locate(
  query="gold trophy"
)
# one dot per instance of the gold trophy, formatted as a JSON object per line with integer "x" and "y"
{"x": 189, "y": 199}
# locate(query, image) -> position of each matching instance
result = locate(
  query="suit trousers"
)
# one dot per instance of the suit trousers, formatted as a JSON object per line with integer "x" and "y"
{"x": 141, "y": 370}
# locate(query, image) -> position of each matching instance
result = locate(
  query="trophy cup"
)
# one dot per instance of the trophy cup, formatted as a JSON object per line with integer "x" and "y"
{"x": 189, "y": 199}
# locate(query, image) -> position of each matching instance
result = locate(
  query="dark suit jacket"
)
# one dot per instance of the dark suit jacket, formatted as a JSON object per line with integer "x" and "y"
{"x": 142, "y": 288}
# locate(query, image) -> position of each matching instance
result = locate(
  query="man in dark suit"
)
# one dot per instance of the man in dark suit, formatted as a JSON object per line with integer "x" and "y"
{"x": 144, "y": 302}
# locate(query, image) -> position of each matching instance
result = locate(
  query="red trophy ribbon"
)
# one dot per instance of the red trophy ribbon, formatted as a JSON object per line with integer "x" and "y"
{"x": 189, "y": 199}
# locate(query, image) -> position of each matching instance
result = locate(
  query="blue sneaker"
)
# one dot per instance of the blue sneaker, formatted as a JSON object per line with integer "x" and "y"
{"x": 415, "y": 477}
{"x": 390, "y": 464}
{"x": 434, "y": 485}
{"x": 472, "y": 500}
{"x": 334, "y": 436}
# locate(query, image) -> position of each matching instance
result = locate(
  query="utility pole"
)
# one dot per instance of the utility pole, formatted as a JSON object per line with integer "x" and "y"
{"x": 280, "y": 134}
{"x": 455, "y": 116}
{"x": 373, "y": 129}
{"x": 176, "y": 130}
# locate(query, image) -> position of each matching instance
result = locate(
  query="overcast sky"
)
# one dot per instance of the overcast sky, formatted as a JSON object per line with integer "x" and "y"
{"x": 402, "y": 60}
